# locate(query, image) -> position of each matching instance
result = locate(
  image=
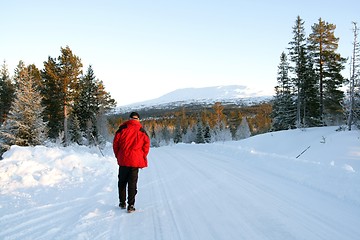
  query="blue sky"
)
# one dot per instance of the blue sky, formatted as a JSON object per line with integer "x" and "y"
{"x": 144, "y": 49}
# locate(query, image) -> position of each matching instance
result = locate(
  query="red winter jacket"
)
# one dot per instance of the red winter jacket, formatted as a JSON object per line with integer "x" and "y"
{"x": 131, "y": 145}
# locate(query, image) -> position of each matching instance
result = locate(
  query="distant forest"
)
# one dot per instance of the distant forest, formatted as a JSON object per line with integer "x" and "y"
{"x": 60, "y": 103}
{"x": 201, "y": 123}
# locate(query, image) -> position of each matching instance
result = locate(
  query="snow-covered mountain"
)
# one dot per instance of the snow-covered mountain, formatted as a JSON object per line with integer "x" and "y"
{"x": 237, "y": 94}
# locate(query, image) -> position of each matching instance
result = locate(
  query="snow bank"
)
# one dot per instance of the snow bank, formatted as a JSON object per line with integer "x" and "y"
{"x": 320, "y": 158}
{"x": 25, "y": 167}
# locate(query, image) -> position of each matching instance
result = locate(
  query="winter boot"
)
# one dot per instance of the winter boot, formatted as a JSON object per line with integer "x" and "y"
{"x": 131, "y": 209}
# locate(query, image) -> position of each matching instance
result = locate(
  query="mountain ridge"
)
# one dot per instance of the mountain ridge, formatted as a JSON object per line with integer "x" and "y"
{"x": 232, "y": 94}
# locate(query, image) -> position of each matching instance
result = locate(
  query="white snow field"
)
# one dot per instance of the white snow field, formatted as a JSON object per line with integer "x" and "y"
{"x": 250, "y": 189}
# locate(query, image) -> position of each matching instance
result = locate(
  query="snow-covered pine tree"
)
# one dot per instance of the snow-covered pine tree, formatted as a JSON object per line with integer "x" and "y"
{"x": 284, "y": 109}
{"x": 243, "y": 130}
{"x": 24, "y": 125}
{"x": 190, "y": 135}
{"x": 220, "y": 132}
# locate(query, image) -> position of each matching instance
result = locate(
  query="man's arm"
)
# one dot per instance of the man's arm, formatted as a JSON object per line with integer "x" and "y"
{"x": 116, "y": 139}
{"x": 146, "y": 145}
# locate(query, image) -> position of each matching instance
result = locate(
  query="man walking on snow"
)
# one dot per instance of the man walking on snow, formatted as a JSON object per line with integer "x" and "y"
{"x": 131, "y": 146}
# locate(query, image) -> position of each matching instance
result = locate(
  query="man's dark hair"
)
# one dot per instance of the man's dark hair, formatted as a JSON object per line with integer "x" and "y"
{"x": 134, "y": 114}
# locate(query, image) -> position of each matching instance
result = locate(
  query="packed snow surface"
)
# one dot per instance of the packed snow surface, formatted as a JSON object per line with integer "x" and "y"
{"x": 257, "y": 188}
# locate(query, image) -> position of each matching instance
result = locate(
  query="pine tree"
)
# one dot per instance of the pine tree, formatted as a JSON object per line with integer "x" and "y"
{"x": 190, "y": 135}
{"x": 177, "y": 132}
{"x": 75, "y": 131}
{"x": 53, "y": 97}
{"x": 284, "y": 109}
{"x": 104, "y": 99}
{"x": 328, "y": 65}
{"x": 36, "y": 75}
{"x": 92, "y": 101}
{"x": 85, "y": 103}
{"x": 309, "y": 100}
{"x": 7, "y": 90}
{"x": 70, "y": 72}
{"x": 24, "y": 125}
{"x": 199, "y": 132}
{"x": 243, "y": 130}
{"x": 207, "y": 134}
{"x": 220, "y": 132}
{"x": 304, "y": 80}
{"x": 296, "y": 53}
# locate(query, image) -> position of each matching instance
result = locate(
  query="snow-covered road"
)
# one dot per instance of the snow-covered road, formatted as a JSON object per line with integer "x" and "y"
{"x": 213, "y": 191}
{"x": 199, "y": 194}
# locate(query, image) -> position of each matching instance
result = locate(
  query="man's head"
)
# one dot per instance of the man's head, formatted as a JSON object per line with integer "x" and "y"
{"x": 135, "y": 115}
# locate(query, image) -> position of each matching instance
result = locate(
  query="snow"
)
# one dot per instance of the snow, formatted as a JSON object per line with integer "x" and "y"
{"x": 207, "y": 95}
{"x": 255, "y": 188}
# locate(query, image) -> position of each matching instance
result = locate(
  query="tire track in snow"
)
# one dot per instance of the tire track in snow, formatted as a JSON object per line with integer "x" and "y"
{"x": 217, "y": 204}
{"x": 195, "y": 200}
{"x": 164, "y": 214}
{"x": 31, "y": 222}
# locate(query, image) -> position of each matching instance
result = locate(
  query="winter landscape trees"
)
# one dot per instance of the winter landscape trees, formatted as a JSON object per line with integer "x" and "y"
{"x": 62, "y": 103}
{"x": 309, "y": 91}
{"x": 24, "y": 125}
{"x": 36, "y": 104}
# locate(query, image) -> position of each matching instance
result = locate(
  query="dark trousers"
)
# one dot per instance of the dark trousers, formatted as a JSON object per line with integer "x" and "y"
{"x": 128, "y": 176}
